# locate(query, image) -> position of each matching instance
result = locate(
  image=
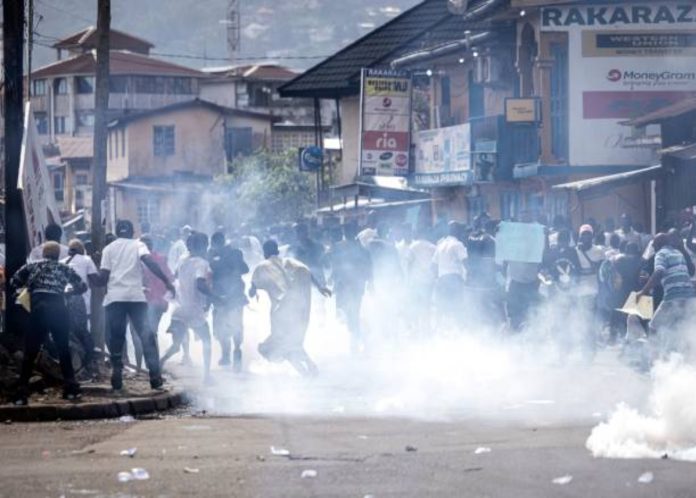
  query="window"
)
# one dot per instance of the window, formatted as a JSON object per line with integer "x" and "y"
{"x": 163, "y": 140}
{"x": 85, "y": 84}
{"x": 238, "y": 142}
{"x": 41, "y": 122}
{"x": 60, "y": 86}
{"x": 81, "y": 179}
{"x": 39, "y": 87}
{"x": 260, "y": 96}
{"x": 58, "y": 187}
{"x": 79, "y": 199}
{"x": 148, "y": 210}
{"x": 118, "y": 84}
{"x": 59, "y": 125}
{"x": 85, "y": 118}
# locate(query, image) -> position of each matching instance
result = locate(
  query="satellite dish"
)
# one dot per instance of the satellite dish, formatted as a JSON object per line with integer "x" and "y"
{"x": 457, "y": 7}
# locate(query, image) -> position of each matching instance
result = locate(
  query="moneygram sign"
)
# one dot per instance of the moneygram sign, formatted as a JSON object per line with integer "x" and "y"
{"x": 385, "y": 123}
{"x": 624, "y": 60}
{"x": 639, "y": 78}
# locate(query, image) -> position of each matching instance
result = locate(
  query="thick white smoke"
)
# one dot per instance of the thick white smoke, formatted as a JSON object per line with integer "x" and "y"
{"x": 668, "y": 428}
{"x": 540, "y": 377}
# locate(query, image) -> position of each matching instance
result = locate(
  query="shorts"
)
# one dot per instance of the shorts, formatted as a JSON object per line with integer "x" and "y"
{"x": 228, "y": 322}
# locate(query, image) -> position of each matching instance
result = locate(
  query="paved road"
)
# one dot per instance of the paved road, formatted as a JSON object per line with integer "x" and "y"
{"x": 352, "y": 457}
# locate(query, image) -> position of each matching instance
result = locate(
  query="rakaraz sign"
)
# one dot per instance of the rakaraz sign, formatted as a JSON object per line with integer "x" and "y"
{"x": 621, "y": 15}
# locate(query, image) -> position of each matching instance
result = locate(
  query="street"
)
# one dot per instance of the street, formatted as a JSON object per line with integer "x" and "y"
{"x": 352, "y": 457}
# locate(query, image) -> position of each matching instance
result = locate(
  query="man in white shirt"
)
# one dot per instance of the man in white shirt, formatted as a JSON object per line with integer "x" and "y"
{"x": 79, "y": 307}
{"x": 195, "y": 294}
{"x": 369, "y": 233}
{"x": 122, "y": 273}
{"x": 449, "y": 259}
{"x": 421, "y": 279}
{"x": 53, "y": 233}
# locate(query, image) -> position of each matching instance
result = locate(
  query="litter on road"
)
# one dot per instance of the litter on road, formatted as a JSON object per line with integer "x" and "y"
{"x": 279, "y": 451}
{"x": 308, "y": 474}
{"x": 481, "y": 449}
{"x": 646, "y": 478}
{"x": 191, "y": 470}
{"x": 130, "y": 452}
{"x": 563, "y": 480}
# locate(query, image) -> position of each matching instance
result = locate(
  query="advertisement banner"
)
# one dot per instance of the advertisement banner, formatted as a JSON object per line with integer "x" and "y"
{"x": 624, "y": 60}
{"x": 40, "y": 208}
{"x": 385, "y": 123}
{"x": 444, "y": 154}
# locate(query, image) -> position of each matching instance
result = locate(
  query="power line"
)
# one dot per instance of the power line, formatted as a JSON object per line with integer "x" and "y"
{"x": 67, "y": 12}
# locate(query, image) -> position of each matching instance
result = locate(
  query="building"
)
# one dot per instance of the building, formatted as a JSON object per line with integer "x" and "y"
{"x": 161, "y": 163}
{"x": 528, "y": 94}
{"x": 255, "y": 88}
{"x": 62, "y": 93}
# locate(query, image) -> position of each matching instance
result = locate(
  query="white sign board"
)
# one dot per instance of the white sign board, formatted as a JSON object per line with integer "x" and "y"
{"x": 623, "y": 61}
{"x": 444, "y": 154}
{"x": 40, "y": 208}
{"x": 520, "y": 242}
{"x": 385, "y": 123}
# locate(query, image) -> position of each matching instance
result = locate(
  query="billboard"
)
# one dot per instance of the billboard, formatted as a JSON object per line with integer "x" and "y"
{"x": 623, "y": 61}
{"x": 40, "y": 208}
{"x": 443, "y": 156}
{"x": 385, "y": 123}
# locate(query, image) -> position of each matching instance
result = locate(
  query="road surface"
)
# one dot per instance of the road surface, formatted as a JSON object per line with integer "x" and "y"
{"x": 352, "y": 457}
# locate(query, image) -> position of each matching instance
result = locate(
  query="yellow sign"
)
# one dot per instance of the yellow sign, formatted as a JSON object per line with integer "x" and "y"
{"x": 522, "y": 111}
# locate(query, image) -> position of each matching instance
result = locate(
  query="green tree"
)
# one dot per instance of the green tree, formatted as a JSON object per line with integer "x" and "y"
{"x": 269, "y": 188}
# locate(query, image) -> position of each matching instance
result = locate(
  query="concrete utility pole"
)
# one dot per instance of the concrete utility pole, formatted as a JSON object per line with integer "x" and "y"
{"x": 15, "y": 230}
{"x": 101, "y": 108}
{"x": 101, "y": 101}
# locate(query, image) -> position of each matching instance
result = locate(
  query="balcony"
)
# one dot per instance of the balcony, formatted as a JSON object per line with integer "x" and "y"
{"x": 132, "y": 101}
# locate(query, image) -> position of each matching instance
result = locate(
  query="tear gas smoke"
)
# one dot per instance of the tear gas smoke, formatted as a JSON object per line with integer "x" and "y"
{"x": 473, "y": 372}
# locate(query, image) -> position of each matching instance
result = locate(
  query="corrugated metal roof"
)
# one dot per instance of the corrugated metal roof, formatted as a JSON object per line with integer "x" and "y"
{"x": 611, "y": 180}
{"x": 424, "y": 25}
{"x": 671, "y": 111}
{"x": 686, "y": 152}
{"x": 129, "y": 118}
{"x": 340, "y": 73}
{"x": 120, "y": 62}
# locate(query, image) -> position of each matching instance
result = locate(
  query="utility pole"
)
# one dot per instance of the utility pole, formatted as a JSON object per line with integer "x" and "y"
{"x": 15, "y": 231}
{"x": 233, "y": 22}
{"x": 101, "y": 100}
{"x": 30, "y": 44}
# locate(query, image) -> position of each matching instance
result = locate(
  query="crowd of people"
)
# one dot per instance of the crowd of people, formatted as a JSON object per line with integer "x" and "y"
{"x": 389, "y": 281}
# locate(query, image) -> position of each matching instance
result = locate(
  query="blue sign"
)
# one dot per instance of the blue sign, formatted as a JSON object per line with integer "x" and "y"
{"x": 311, "y": 159}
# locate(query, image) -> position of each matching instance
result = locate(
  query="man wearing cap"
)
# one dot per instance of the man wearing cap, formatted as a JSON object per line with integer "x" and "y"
{"x": 122, "y": 273}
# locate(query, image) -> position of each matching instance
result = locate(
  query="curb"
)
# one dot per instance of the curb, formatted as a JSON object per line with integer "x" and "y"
{"x": 111, "y": 408}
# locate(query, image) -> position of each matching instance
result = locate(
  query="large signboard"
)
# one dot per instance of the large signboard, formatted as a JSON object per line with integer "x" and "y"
{"x": 623, "y": 61}
{"x": 385, "y": 123}
{"x": 443, "y": 156}
{"x": 39, "y": 201}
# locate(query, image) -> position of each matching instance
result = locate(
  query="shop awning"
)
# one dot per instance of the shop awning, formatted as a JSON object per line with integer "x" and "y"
{"x": 601, "y": 183}
{"x": 369, "y": 204}
{"x": 686, "y": 152}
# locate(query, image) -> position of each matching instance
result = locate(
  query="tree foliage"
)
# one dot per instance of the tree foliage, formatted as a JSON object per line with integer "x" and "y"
{"x": 268, "y": 188}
